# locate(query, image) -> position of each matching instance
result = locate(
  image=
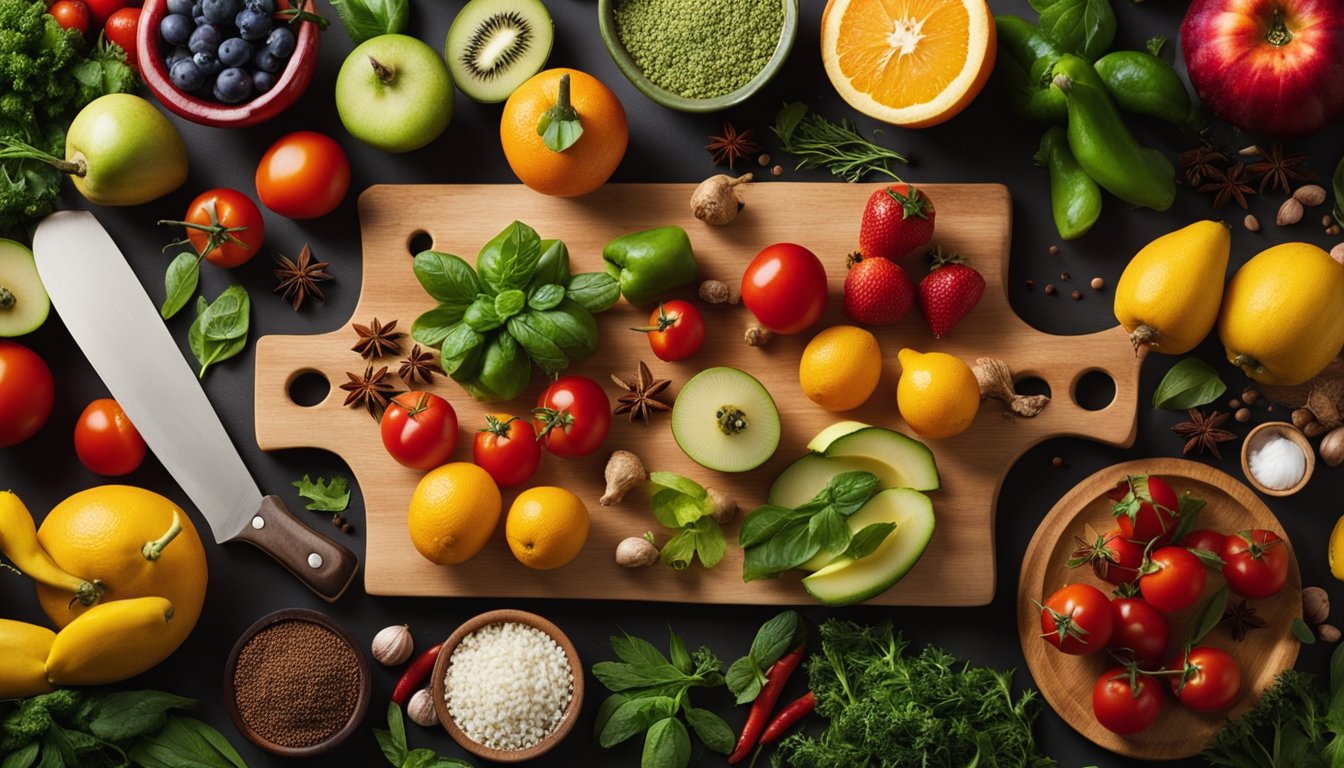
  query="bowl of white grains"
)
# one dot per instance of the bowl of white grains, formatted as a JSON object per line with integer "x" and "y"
{"x": 508, "y": 686}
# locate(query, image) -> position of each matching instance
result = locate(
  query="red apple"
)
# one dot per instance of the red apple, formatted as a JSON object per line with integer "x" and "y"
{"x": 1268, "y": 66}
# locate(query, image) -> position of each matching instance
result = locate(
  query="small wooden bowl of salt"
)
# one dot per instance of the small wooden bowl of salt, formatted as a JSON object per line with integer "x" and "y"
{"x": 1277, "y": 459}
{"x": 507, "y": 686}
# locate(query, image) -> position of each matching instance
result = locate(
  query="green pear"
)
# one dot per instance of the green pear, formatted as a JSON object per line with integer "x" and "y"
{"x": 120, "y": 150}
{"x": 394, "y": 93}
{"x": 23, "y": 301}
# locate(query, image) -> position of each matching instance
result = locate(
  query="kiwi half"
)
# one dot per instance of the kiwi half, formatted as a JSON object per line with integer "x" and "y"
{"x": 494, "y": 46}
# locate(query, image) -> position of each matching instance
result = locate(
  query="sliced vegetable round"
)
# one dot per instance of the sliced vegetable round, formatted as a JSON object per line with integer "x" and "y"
{"x": 725, "y": 420}
{"x": 303, "y": 175}
{"x": 106, "y": 441}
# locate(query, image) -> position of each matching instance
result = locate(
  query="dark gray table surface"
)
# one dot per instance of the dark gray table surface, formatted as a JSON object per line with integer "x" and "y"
{"x": 983, "y": 144}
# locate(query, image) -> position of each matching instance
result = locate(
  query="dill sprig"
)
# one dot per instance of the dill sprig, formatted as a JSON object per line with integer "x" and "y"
{"x": 820, "y": 143}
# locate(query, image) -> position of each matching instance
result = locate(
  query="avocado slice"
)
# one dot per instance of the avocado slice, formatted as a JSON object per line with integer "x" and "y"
{"x": 24, "y": 304}
{"x": 897, "y": 461}
{"x": 845, "y": 581}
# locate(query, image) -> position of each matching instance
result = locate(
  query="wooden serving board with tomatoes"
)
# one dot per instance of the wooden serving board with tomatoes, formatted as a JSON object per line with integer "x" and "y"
{"x": 958, "y": 566}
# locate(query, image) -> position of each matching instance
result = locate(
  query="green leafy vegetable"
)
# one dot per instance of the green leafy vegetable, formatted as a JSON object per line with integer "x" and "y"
{"x": 1189, "y": 384}
{"x": 220, "y": 329}
{"x": 837, "y": 147}
{"x": 775, "y": 638}
{"x": 684, "y": 505}
{"x": 392, "y": 743}
{"x": 1187, "y": 512}
{"x": 1083, "y": 27}
{"x": 1208, "y": 615}
{"x": 325, "y": 495}
{"x": 364, "y": 19}
{"x": 775, "y": 539}
{"x": 180, "y": 283}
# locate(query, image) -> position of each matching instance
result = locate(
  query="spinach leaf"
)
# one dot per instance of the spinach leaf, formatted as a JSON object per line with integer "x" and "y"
{"x": 594, "y": 291}
{"x": 179, "y": 283}
{"x": 124, "y": 715}
{"x": 1084, "y": 27}
{"x": 710, "y": 729}
{"x": 546, "y": 296}
{"x": 868, "y": 539}
{"x": 220, "y": 329}
{"x": 529, "y": 329}
{"x": 481, "y": 315}
{"x": 460, "y": 354}
{"x": 445, "y": 277}
{"x": 1189, "y": 384}
{"x": 508, "y": 261}
{"x": 666, "y": 745}
{"x": 433, "y": 327}
{"x": 364, "y": 19}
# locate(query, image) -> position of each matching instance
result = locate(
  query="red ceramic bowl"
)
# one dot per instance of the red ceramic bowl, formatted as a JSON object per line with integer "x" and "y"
{"x": 288, "y": 87}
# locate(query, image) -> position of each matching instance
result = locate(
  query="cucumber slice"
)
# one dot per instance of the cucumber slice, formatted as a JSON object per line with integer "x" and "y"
{"x": 911, "y": 460}
{"x": 846, "y": 581}
{"x": 494, "y": 46}
{"x": 725, "y": 420}
{"x": 24, "y": 305}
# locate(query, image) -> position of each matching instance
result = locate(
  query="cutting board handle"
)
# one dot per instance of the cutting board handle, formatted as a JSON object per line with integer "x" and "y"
{"x": 321, "y": 564}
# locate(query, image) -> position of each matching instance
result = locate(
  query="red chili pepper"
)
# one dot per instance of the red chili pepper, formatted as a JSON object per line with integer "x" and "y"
{"x": 765, "y": 703}
{"x": 790, "y": 714}
{"x": 415, "y": 674}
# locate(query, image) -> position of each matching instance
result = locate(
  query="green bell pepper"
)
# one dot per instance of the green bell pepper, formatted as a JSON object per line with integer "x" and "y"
{"x": 1075, "y": 199}
{"x": 650, "y": 263}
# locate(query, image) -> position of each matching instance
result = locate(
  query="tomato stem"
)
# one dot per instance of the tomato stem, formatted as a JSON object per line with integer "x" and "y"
{"x": 665, "y": 321}
{"x": 496, "y": 427}
{"x": 217, "y": 233}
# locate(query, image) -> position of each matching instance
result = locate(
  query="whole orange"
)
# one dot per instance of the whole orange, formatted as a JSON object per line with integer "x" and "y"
{"x": 590, "y": 161}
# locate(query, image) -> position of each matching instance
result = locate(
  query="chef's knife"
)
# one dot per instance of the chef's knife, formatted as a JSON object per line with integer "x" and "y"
{"x": 120, "y": 331}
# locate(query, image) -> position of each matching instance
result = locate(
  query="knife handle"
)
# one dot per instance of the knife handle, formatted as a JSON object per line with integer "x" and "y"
{"x": 321, "y": 564}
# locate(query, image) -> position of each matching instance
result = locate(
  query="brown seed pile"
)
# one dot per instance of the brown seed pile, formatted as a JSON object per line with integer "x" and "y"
{"x": 297, "y": 683}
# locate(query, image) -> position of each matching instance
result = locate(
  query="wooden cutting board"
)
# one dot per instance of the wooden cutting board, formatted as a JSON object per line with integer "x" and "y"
{"x": 958, "y": 567}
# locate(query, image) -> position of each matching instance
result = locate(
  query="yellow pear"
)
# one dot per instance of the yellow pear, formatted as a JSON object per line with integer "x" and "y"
{"x": 1169, "y": 294}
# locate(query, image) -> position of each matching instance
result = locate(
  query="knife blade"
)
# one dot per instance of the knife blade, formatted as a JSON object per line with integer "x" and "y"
{"x": 113, "y": 321}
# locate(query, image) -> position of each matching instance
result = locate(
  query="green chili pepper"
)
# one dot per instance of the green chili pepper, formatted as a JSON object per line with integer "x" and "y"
{"x": 1075, "y": 199}
{"x": 650, "y": 263}
{"x": 1026, "y": 55}
{"x": 1144, "y": 84}
{"x": 1104, "y": 146}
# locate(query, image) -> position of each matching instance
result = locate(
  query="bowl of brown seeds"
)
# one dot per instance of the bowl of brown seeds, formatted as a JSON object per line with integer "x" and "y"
{"x": 297, "y": 684}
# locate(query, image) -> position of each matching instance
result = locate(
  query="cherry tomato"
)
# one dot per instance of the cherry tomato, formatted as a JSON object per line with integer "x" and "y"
{"x": 120, "y": 29}
{"x": 507, "y": 449}
{"x": 1212, "y": 682}
{"x": 1077, "y": 619}
{"x": 71, "y": 14}
{"x": 27, "y": 393}
{"x": 1205, "y": 540}
{"x": 572, "y": 416}
{"x": 419, "y": 430}
{"x": 224, "y": 226}
{"x": 101, "y": 10}
{"x": 1146, "y": 508}
{"x": 1113, "y": 557}
{"x": 106, "y": 441}
{"x": 785, "y": 287}
{"x": 1175, "y": 581}
{"x": 676, "y": 330}
{"x": 303, "y": 175}
{"x": 1255, "y": 563}
{"x": 1140, "y": 629}
{"x": 1125, "y": 708}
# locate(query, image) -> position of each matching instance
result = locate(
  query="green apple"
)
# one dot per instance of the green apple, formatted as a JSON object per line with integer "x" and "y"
{"x": 394, "y": 93}
{"x": 23, "y": 301}
{"x": 120, "y": 150}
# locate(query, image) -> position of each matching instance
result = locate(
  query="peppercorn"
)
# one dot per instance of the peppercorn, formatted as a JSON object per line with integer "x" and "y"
{"x": 1059, "y": 463}
{"x": 1063, "y": 275}
{"x": 1098, "y": 283}
{"x": 1054, "y": 250}
{"x": 1031, "y": 285}
{"x": 1077, "y": 295}
{"x": 1049, "y": 289}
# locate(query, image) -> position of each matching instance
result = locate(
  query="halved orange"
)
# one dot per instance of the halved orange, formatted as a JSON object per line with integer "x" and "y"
{"x": 912, "y": 63}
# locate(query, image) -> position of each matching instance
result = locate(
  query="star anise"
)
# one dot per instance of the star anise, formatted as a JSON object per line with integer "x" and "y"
{"x": 299, "y": 281}
{"x": 417, "y": 363}
{"x": 369, "y": 390}
{"x": 1240, "y": 618}
{"x": 1200, "y": 163}
{"x": 1202, "y": 434}
{"x": 1279, "y": 170}
{"x": 732, "y": 145}
{"x": 377, "y": 340}
{"x": 1228, "y": 185}
{"x": 641, "y": 397}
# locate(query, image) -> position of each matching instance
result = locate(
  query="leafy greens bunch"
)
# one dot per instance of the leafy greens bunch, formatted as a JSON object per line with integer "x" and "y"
{"x": 684, "y": 505}
{"x": 393, "y": 744}
{"x": 518, "y": 307}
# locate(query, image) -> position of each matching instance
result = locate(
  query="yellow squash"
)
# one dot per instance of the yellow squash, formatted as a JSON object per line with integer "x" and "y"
{"x": 1283, "y": 315}
{"x": 24, "y": 648}
{"x": 18, "y": 542}
{"x": 111, "y": 642}
{"x": 1168, "y": 295}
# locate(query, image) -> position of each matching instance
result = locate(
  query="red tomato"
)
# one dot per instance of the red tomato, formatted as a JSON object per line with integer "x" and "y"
{"x": 224, "y": 226}
{"x": 1146, "y": 508}
{"x": 1125, "y": 704}
{"x": 101, "y": 10}
{"x": 419, "y": 430}
{"x": 27, "y": 392}
{"x": 71, "y": 14}
{"x": 303, "y": 175}
{"x": 507, "y": 449}
{"x": 785, "y": 287}
{"x": 1175, "y": 581}
{"x": 1205, "y": 540}
{"x": 120, "y": 29}
{"x": 1255, "y": 563}
{"x": 676, "y": 330}
{"x": 1212, "y": 680}
{"x": 1077, "y": 619}
{"x": 1140, "y": 629}
{"x": 572, "y": 416}
{"x": 1113, "y": 557}
{"x": 106, "y": 441}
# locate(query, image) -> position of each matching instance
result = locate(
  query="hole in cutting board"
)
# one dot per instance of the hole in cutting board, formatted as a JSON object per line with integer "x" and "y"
{"x": 308, "y": 388}
{"x": 1031, "y": 385}
{"x": 1094, "y": 391}
{"x": 420, "y": 240}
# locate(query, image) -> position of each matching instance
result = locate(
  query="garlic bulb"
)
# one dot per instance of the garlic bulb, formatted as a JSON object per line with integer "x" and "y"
{"x": 421, "y": 708}
{"x": 393, "y": 645}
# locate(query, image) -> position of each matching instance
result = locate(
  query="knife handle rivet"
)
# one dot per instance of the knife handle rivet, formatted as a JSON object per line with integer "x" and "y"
{"x": 258, "y": 522}
{"x": 314, "y": 560}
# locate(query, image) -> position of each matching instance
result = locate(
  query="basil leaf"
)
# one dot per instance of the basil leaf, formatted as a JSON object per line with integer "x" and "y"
{"x": 81, "y": 743}
{"x": 868, "y": 539}
{"x": 710, "y": 729}
{"x": 552, "y": 267}
{"x": 788, "y": 549}
{"x": 594, "y": 291}
{"x": 1337, "y": 677}
{"x": 710, "y": 546}
{"x": 848, "y": 491}
{"x": 679, "y": 550}
{"x": 56, "y": 753}
{"x": 559, "y": 133}
{"x": 431, "y": 328}
{"x": 744, "y": 680}
{"x": 509, "y": 303}
{"x": 575, "y": 330}
{"x": 619, "y": 677}
{"x": 828, "y": 530}
{"x": 775, "y": 638}
{"x": 1187, "y": 513}
{"x": 179, "y": 283}
{"x": 637, "y": 650}
{"x": 678, "y": 483}
{"x": 631, "y": 717}
{"x": 447, "y": 762}
{"x": 227, "y": 318}
{"x": 481, "y": 315}
{"x": 505, "y": 368}
{"x": 1189, "y": 384}
{"x": 788, "y": 119}
{"x": 124, "y": 715}
{"x": 508, "y": 261}
{"x": 364, "y": 19}
{"x": 460, "y": 352}
{"x": 605, "y": 712}
{"x": 764, "y": 522}
{"x": 1084, "y": 27}
{"x": 1208, "y": 615}
{"x": 530, "y": 330}
{"x": 419, "y": 758}
{"x": 666, "y": 745}
{"x": 676, "y": 649}
{"x": 445, "y": 277}
{"x": 25, "y": 757}
{"x": 546, "y": 296}
{"x": 185, "y": 743}
{"x": 219, "y": 350}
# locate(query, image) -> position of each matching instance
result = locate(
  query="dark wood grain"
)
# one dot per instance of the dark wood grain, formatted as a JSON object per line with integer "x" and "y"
{"x": 323, "y": 565}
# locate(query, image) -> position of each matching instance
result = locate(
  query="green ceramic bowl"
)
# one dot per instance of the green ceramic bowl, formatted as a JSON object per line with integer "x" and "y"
{"x": 606, "y": 14}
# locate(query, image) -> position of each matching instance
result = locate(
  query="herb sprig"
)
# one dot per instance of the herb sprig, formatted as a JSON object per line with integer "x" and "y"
{"x": 684, "y": 505}
{"x": 837, "y": 147}
{"x": 775, "y": 638}
{"x": 325, "y": 495}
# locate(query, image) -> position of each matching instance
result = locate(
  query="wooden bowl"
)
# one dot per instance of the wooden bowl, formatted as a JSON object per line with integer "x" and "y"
{"x": 437, "y": 685}
{"x": 288, "y": 86}
{"x": 1277, "y": 429}
{"x": 1066, "y": 681}
{"x": 361, "y": 705}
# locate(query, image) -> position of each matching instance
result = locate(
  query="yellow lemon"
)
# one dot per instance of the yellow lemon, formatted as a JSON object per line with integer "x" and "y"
{"x": 546, "y": 527}
{"x": 1169, "y": 293}
{"x": 453, "y": 511}
{"x": 937, "y": 395}
{"x": 1283, "y": 314}
{"x": 840, "y": 367}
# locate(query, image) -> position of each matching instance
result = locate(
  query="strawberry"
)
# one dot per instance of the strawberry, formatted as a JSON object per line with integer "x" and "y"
{"x": 877, "y": 291}
{"x": 949, "y": 292}
{"x": 897, "y": 220}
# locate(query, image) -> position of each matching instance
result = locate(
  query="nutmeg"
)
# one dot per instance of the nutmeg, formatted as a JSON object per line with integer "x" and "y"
{"x": 421, "y": 709}
{"x": 1289, "y": 213}
{"x": 1332, "y": 447}
{"x": 719, "y": 292}
{"x": 393, "y": 645}
{"x": 1315, "y": 605}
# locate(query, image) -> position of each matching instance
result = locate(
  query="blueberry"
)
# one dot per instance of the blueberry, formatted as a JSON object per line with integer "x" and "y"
{"x": 186, "y": 75}
{"x": 235, "y": 52}
{"x": 179, "y": 53}
{"x": 220, "y": 11}
{"x": 207, "y": 62}
{"x": 182, "y": 7}
{"x": 233, "y": 85}
{"x": 265, "y": 6}
{"x": 268, "y": 62}
{"x": 263, "y": 81}
{"x": 280, "y": 42}
{"x": 175, "y": 29}
{"x": 253, "y": 25}
{"x": 204, "y": 38}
